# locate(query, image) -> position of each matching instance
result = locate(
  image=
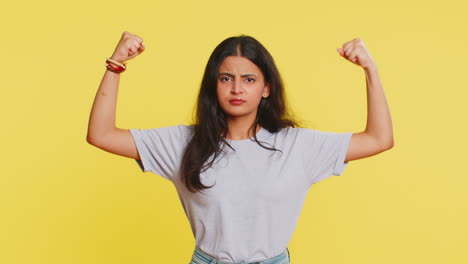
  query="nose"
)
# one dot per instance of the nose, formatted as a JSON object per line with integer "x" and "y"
{"x": 236, "y": 87}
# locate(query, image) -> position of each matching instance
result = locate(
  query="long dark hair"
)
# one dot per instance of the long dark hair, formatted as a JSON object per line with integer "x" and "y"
{"x": 210, "y": 126}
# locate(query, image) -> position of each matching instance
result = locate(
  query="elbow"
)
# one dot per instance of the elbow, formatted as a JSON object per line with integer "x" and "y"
{"x": 388, "y": 144}
{"x": 89, "y": 140}
{"x": 93, "y": 136}
{"x": 96, "y": 139}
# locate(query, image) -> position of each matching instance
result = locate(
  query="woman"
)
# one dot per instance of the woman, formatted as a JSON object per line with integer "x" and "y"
{"x": 243, "y": 169}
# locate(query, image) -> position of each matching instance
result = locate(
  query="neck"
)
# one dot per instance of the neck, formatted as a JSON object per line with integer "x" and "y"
{"x": 239, "y": 129}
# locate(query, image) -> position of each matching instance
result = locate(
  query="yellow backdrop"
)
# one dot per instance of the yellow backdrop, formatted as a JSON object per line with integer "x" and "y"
{"x": 65, "y": 201}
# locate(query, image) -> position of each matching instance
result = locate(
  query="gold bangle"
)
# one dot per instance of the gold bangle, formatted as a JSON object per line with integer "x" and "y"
{"x": 116, "y": 63}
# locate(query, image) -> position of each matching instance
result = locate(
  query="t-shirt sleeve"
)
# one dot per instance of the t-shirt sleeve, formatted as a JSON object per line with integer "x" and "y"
{"x": 324, "y": 153}
{"x": 160, "y": 149}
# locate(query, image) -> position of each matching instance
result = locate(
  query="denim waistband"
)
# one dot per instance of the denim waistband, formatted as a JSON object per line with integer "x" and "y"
{"x": 204, "y": 258}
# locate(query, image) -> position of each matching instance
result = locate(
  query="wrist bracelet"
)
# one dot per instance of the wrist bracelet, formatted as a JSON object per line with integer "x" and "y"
{"x": 115, "y": 69}
{"x": 109, "y": 60}
{"x": 115, "y": 66}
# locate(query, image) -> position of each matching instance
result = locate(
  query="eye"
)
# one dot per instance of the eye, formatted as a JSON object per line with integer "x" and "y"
{"x": 224, "y": 79}
{"x": 250, "y": 80}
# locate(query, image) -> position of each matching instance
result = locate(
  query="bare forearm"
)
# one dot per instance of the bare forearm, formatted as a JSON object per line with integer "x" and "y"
{"x": 102, "y": 117}
{"x": 379, "y": 122}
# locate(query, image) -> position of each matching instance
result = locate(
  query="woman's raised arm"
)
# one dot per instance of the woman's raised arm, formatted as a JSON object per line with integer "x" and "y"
{"x": 378, "y": 135}
{"x": 102, "y": 131}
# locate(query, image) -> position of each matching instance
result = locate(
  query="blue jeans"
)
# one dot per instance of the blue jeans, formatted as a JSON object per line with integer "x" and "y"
{"x": 200, "y": 257}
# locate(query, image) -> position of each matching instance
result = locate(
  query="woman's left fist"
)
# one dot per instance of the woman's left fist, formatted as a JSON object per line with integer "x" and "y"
{"x": 356, "y": 52}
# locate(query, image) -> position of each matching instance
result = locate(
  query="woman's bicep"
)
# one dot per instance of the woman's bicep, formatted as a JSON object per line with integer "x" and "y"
{"x": 120, "y": 142}
{"x": 363, "y": 145}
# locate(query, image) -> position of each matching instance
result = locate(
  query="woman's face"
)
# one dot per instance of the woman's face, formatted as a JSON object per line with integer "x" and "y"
{"x": 240, "y": 87}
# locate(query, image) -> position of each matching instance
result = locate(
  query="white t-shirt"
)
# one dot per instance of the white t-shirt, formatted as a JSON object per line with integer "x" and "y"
{"x": 251, "y": 212}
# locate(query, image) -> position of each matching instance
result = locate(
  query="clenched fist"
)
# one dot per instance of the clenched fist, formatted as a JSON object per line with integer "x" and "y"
{"x": 128, "y": 47}
{"x": 356, "y": 52}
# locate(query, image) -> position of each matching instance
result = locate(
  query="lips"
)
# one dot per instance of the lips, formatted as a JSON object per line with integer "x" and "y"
{"x": 236, "y": 101}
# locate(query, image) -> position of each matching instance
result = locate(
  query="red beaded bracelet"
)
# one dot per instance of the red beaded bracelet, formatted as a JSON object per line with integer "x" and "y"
{"x": 115, "y": 69}
{"x": 115, "y": 66}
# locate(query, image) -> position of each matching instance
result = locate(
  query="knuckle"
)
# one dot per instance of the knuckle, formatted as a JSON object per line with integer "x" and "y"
{"x": 127, "y": 35}
{"x": 137, "y": 37}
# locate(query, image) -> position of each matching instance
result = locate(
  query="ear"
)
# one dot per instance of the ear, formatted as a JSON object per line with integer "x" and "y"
{"x": 266, "y": 91}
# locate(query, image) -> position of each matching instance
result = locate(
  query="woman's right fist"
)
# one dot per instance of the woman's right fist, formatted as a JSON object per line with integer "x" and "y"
{"x": 128, "y": 47}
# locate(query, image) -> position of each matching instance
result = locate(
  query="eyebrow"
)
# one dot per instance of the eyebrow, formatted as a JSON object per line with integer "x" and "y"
{"x": 232, "y": 75}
